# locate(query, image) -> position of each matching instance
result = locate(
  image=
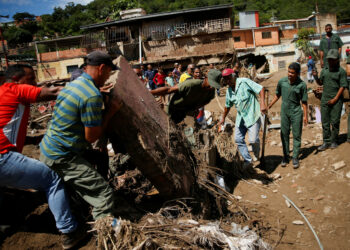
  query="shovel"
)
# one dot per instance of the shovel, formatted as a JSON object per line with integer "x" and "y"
{"x": 262, "y": 157}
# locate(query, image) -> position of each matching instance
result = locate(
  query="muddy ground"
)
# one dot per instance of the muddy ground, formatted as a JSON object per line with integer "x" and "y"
{"x": 316, "y": 188}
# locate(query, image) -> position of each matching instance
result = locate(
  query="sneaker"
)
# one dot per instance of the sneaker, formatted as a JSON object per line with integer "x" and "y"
{"x": 324, "y": 146}
{"x": 284, "y": 162}
{"x": 70, "y": 240}
{"x": 334, "y": 145}
{"x": 295, "y": 163}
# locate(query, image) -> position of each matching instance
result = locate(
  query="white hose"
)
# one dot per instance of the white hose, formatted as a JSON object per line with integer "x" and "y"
{"x": 308, "y": 223}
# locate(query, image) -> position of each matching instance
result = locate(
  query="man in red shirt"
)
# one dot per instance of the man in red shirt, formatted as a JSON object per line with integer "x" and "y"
{"x": 19, "y": 171}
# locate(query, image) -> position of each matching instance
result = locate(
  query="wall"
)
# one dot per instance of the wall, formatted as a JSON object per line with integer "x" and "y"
{"x": 58, "y": 70}
{"x": 246, "y": 39}
{"x": 190, "y": 46}
{"x": 275, "y": 59}
{"x": 288, "y": 34}
{"x": 275, "y": 53}
{"x": 323, "y": 19}
{"x": 63, "y": 54}
{"x": 259, "y": 41}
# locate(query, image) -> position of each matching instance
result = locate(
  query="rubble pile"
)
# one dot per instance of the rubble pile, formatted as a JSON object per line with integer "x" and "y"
{"x": 174, "y": 227}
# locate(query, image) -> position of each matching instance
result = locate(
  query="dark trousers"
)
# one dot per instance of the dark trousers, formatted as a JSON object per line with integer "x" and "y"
{"x": 330, "y": 116}
{"x": 292, "y": 120}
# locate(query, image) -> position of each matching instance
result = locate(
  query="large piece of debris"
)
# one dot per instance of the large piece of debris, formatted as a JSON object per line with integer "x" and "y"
{"x": 154, "y": 143}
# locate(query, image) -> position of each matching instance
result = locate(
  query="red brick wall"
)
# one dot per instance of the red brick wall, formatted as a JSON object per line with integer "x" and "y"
{"x": 288, "y": 34}
{"x": 275, "y": 39}
{"x": 189, "y": 46}
{"x": 63, "y": 54}
{"x": 246, "y": 37}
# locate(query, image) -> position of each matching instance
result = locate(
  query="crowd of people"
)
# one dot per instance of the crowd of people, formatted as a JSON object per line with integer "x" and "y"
{"x": 78, "y": 121}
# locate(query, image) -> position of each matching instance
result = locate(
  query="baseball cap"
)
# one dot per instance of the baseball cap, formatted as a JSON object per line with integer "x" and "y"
{"x": 310, "y": 57}
{"x": 214, "y": 78}
{"x": 97, "y": 58}
{"x": 227, "y": 72}
{"x": 333, "y": 54}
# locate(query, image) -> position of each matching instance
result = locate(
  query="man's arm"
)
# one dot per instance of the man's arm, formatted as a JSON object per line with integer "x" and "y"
{"x": 164, "y": 90}
{"x": 317, "y": 79}
{"x": 340, "y": 45}
{"x": 263, "y": 108}
{"x": 48, "y": 94}
{"x": 321, "y": 58}
{"x": 222, "y": 121}
{"x": 94, "y": 133}
{"x": 336, "y": 98}
{"x": 305, "y": 119}
{"x": 274, "y": 100}
{"x": 321, "y": 52}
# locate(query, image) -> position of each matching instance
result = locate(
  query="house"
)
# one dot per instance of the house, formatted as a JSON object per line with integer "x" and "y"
{"x": 255, "y": 37}
{"x": 58, "y": 58}
{"x": 273, "y": 42}
{"x": 200, "y": 35}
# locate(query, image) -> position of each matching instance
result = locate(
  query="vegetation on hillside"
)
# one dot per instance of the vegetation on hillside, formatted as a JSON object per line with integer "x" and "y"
{"x": 67, "y": 21}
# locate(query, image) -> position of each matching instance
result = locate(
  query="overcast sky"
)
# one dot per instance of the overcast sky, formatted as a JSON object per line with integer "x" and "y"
{"x": 36, "y": 7}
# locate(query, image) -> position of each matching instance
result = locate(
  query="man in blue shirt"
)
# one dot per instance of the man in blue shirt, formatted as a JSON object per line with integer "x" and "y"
{"x": 149, "y": 75}
{"x": 242, "y": 93}
{"x": 310, "y": 67}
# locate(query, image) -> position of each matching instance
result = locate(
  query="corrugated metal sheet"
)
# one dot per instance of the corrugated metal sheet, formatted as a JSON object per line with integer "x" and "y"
{"x": 247, "y": 19}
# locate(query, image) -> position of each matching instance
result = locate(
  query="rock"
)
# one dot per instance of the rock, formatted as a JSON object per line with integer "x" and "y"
{"x": 237, "y": 197}
{"x": 273, "y": 143}
{"x": 263, "y": 196}
{"x": 279, "y": 144}
{"x": 276, "y": 176}
{"x": 306, "y": 143}
{"x": 327, "y": 210}
{"x": 338, "y": 165}
{"x": 257, "y": 182}
{"x": 287, "y": 203}
{"x": 275, "y": 191}
{"x": 320, "y": 197}
{"x": 348, "y": 175}
{"x": 298, "y": 222}
{"x": 299, "y": 191}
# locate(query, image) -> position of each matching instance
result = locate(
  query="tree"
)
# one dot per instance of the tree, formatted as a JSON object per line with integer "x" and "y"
{"x": 303, "y": 42}
{"x": 23, "y": 16}
{"x": 17, "y": 36}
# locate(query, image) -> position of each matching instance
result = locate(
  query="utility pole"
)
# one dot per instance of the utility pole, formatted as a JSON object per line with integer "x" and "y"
{"x": 3, "y": 43}
{"x": 318, "y": 20}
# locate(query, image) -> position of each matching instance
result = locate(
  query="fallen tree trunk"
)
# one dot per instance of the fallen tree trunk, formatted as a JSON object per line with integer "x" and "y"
{"x": 155, "y": 145}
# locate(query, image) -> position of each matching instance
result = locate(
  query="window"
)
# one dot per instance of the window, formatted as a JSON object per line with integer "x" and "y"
{"x": 281, "y": 64}
{"x": 237, "y": 38}
{"x": 71, "y": 68}
{"x": 266, "y": 35}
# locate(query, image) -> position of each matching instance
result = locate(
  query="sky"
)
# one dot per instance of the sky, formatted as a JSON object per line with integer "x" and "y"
{"x": 36, "y": 7}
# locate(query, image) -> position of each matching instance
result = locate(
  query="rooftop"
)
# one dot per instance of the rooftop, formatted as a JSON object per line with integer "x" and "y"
{"x": 62, "y": 41}
{"x": 158, "y": 15}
